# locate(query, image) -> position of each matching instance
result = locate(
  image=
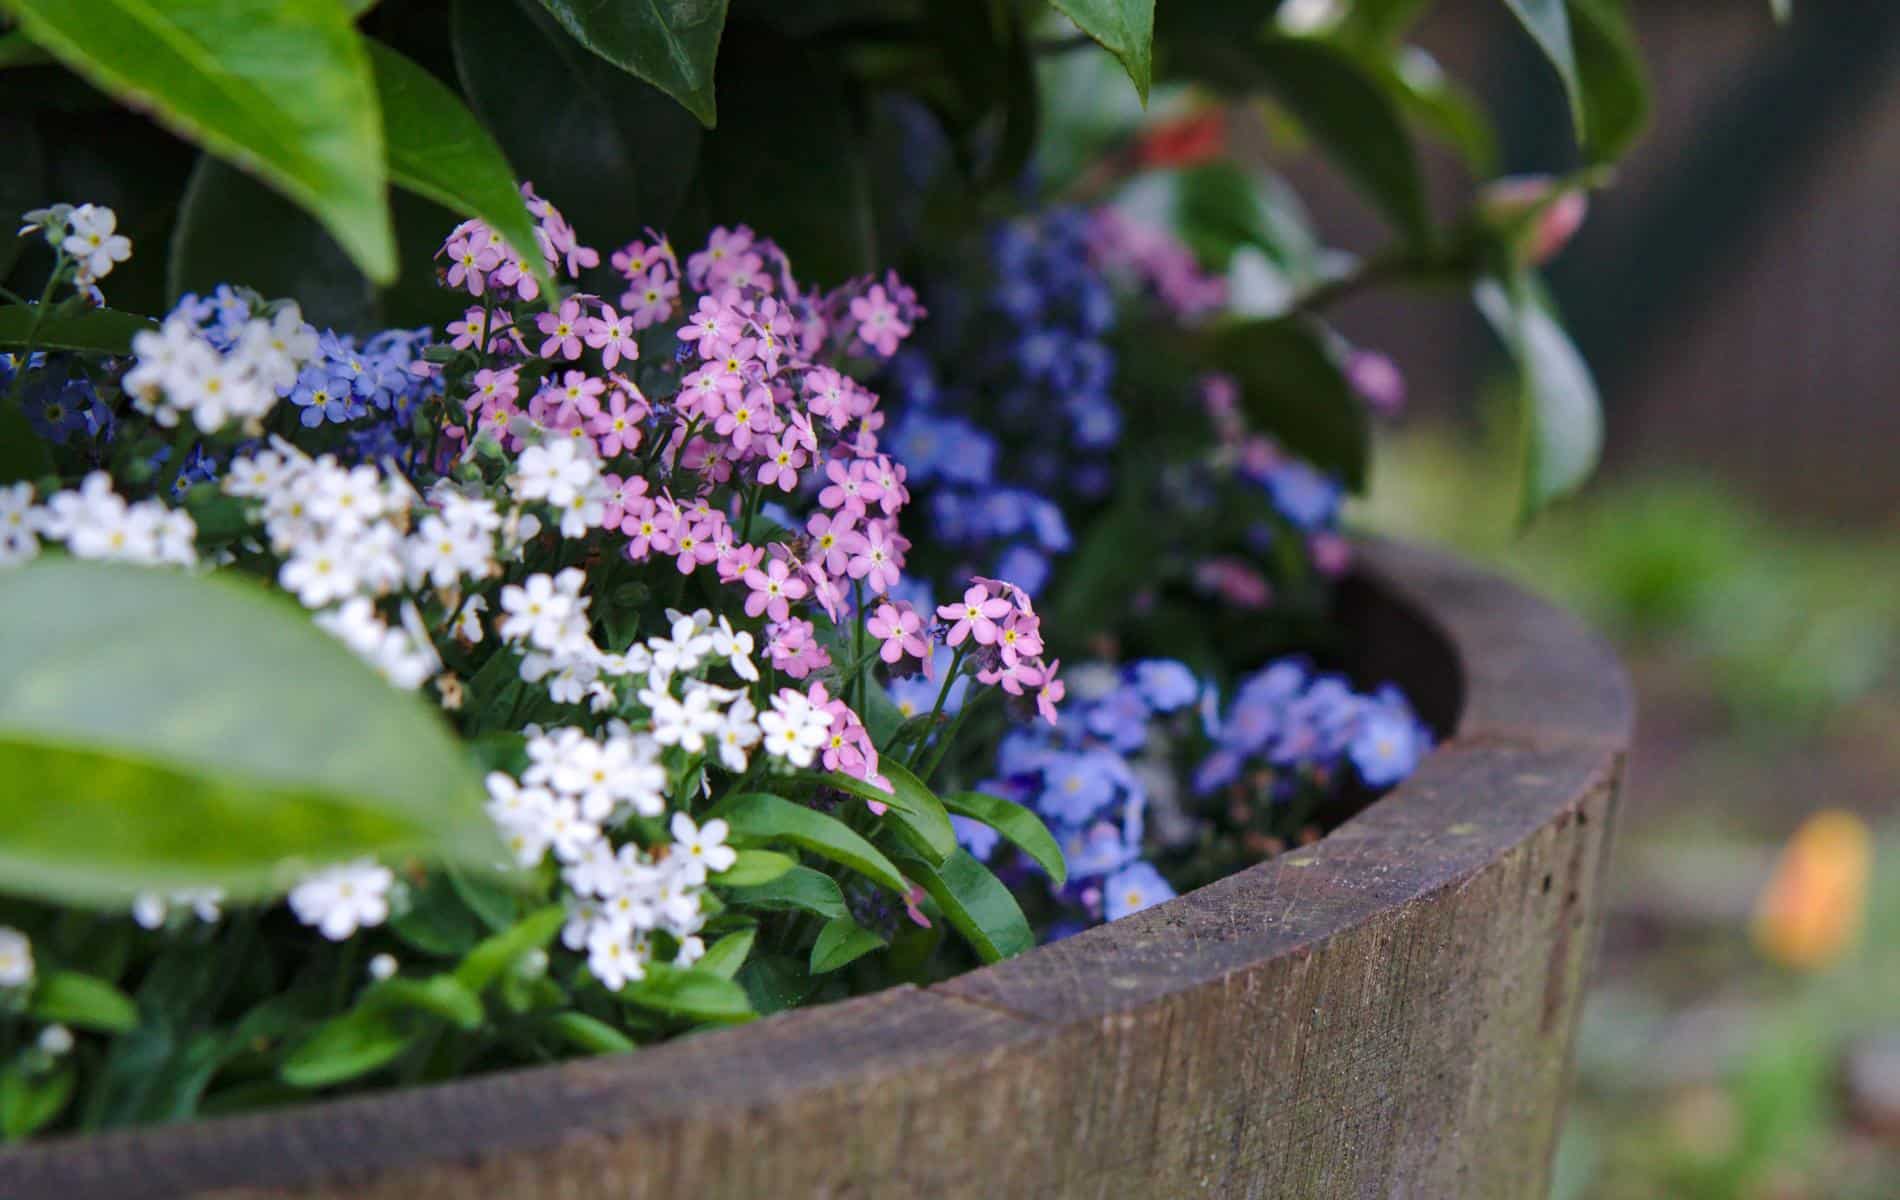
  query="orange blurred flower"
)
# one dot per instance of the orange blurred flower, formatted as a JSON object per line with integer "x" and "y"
{"x": 1185, "y": 142}
{"x": 1811, "y": 908}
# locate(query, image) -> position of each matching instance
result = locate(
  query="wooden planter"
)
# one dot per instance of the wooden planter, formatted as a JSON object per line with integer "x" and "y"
{"x": 1385, "y": 1013}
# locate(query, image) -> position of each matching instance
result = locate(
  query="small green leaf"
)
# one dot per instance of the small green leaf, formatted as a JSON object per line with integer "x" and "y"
{"x": 29, "y": 1102}
{"x": 280, "y": 87}
{"x": 345, "y": 1048}
{"x": 755, "y": 817}
{"x": 1023, "y": 828}
{"x": 1548, "y": 23}
{"x": 1560, "y": 412}
{"x": 1292, "y": 387}
{"x": 98, "y": 331}
{"x": 1610, "y": 69}
{"x": 671, "y": 44}
{"x": 799, "y": 888}
{"x": 586, "y": 1033}
{"x": 499, "y": 953}
{"x": 1125, "y": 28}
{"x": 695, "y": 994}
{"x": 725, "y": 956}
{"x": 776, "y": 982}
{"x": 978, "y": 905}
{"x": 160, "y": 730}
{"x": 441, "y": 996}
{"x": 71, "y": 998}
{"x": 754, "y": 867}
{"x": 841, "y": 942}
{"x": 913, "y": 808}
{"x": 437, "y": 149}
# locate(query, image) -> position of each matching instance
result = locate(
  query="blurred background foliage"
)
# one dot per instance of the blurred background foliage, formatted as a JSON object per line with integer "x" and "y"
{"x": 1735, "y": 293}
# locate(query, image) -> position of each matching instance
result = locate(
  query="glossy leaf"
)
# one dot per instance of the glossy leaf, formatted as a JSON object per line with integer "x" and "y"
{"x": 30, "y": 1101}
{"x": 977, "y": 904}
{"x": 799, "y": 888}
{"x": 841, "y": 942}
{"x": 99, "y": 330}
{"x": 587, "y": 1033}
{"x": 758, "y": 818}
{"x": 1560, "y": 412}
{"x": 913, "y": 809}
{"x": 345, "y": 1048}
{"x": 615, "y": 153}
{"x": 725, "y": 956}
{"x": 438, "y": 150}
{"x": 72, "y": 998}
{"x": 161, "y": 730}
{"x": 671, "y": 44}
{"x": 280, "y": 87}
{"x": 1292, "y": 387}
{"x": 1021, "y": 827}
{"x": 754, "y": 867}
{"x": 1614, "y": 80}
{"x": 1357, "y": 124}
{"x": 499, "y": 953}
{"x": 1548, "y": 23}
{"x": 689, "y": 992}
{"x": 1125, "y": 28}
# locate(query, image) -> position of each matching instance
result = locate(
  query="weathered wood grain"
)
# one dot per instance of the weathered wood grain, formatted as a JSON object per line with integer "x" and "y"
{"x": 1385, "y": 1013}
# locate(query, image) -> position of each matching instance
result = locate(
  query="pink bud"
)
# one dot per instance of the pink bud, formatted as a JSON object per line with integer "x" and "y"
{"x": 1377, "y": 379}
{"x": 1515, "y": 198}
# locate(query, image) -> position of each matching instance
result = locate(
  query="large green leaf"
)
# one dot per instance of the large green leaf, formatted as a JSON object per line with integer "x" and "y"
{"x": 912, "y": 807}
{"x": 977, "y": 904}
{"x": 280, "y": 87}
{"x": 696, "y": 994}
{"x": 800, "y": 888}
{"x": 1560, "y": 413}
{"x": 160, "y": 730}
{"x": 1292, "y": 387}
{"x": 841, "y": 942}
{"x": 612, "y": 152}
{"x": 1125, "y": 28}
{"x": 99, "y": 330}
{"x": 1023, "y": 828}
{"x": 1356, "y": 122}
{"x": 671, "y": 44}
{"x": 439, "y": 150}
{"x": 1610, "y": 69}
{"x": 756, "y": 818}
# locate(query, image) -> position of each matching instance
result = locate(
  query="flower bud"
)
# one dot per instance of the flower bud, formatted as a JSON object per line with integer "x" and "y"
{"x": 1509, "y": 203}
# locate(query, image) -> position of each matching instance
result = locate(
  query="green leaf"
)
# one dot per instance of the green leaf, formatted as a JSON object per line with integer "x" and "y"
{"x": 1023, "y": 828}
{"x": 1439, "y": 104}
{"x": 28, "y": 1102}
{"x": 1125, "y": 28}
{"x": 438, "y": 922}
{"x": 615, "y": 153}
{"x": 725, "y": 956}
{"x": 75, "y": 999}
{"x": 98, "y": 331}
{"x": 978, "y": 905}
{"x": 280, "y": 87}
{"x": 776, "y": 982}
{"x": 346, "y": 1047}
{"x": 1783, "y": 10}
{"x": 161, "y": 730}
{"x": 912, "y": 807}
{"x": 233, "y": 229}
{"x": 441, "y": 996}
{"x": 695, "y": 994}
{"x": 672, "y": 44}
{"x": 754, "y": 867}
{"x": 1348, "y": 114}
{"x": 499, "y": 953}
{"x": 755, "y": 817}
{"x": 1615, "y": 83}
{"x": 799, "y": 888}
{"x": 586, "y": 1033}
{"x": 1378, "y": 23}
{"x": 1548, "y": 23}
{"x": 1561, "y": 415}
{"x": 1292, "y": 387}
{"x": 841, "y": 942}
{"x": 438, "y": 150}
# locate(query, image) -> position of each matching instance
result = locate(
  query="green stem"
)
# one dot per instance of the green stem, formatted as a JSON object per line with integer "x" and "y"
{"x": 857, "y": 642}
{"x": 936, "y": 710}
{"x": 33, "y": 330}
{"x": 751, "y": 511}
{"x": 949, "y": 737}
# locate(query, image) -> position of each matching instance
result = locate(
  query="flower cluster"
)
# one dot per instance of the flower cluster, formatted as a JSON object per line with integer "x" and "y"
{"x": 1299, "y": 726}
{"x": 1154, "y": 261}
{"x": 94, "y": 521}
